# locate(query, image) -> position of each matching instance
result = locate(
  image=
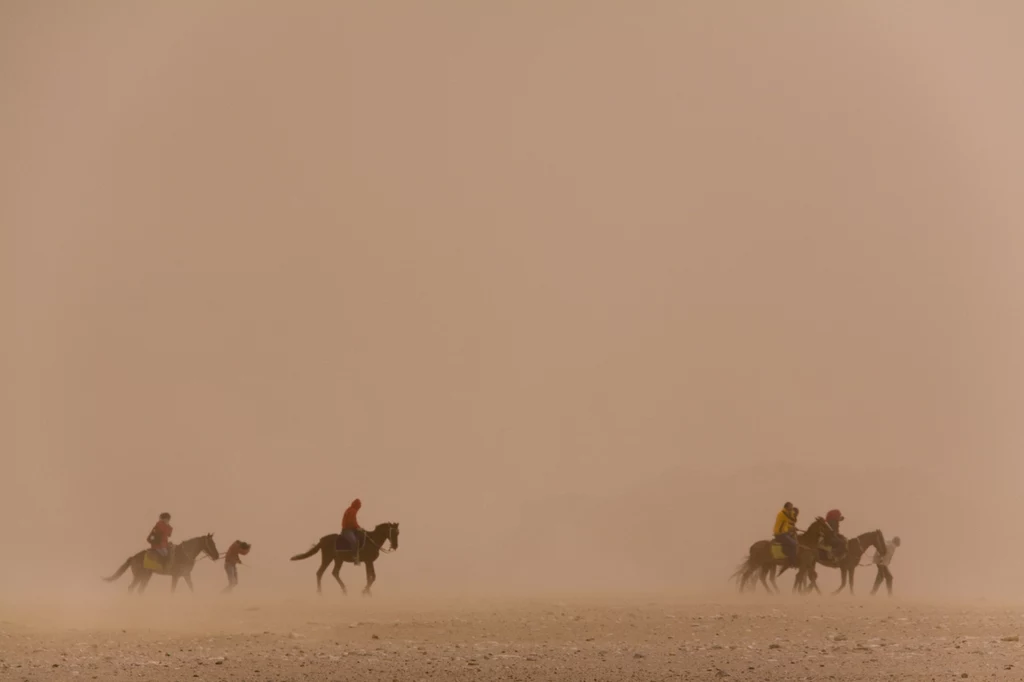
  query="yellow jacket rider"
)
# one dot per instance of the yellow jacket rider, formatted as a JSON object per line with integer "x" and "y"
{"x": 784, "y": 530}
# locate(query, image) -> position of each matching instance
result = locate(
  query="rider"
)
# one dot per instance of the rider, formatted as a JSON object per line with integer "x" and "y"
{"x": 349, "y": 526}
{"x": 159, "y": 538}
{"x": 832, "y": 518}
{"x": 784, "y": 530}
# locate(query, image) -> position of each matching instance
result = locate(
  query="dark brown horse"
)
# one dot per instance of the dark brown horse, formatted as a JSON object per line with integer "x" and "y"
{"x": 371, "y": 545}
{"x": 183, "y": 560}
{"x": 761, "y": 558}
{"x": 855, "y": 549}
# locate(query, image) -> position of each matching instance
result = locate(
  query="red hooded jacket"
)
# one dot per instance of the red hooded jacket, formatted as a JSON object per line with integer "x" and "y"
{"x": 348, "y": 521}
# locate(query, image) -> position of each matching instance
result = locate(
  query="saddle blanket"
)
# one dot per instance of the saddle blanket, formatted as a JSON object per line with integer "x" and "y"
{"x": 151, "y": 561}
{"x": 342, "y": 545}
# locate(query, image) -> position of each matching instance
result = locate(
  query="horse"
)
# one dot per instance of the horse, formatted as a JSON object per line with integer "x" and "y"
{"x": 372, "y": 544}
{"x": 183, "y": 560}
{"x": 762, "y": 557}
{"x": 855, "y": 549}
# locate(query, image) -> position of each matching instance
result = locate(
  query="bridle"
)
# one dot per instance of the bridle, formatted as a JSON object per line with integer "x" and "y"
{"x": 205, "y": 550}
{"x": 390, "y": 539}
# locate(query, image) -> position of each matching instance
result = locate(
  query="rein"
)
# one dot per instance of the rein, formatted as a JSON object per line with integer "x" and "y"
{"x": 380, "y": 547}
{"x": 200, "y": 552}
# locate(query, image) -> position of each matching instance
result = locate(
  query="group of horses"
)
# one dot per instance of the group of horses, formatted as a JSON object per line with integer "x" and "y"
{"x": 185, "y": 555}
{"x": 765, "y": 558}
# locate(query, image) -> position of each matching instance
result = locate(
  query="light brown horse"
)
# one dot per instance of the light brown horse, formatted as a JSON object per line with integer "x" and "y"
{"x": 183, "y": 561}
{"x": 761, "y": 558}
{"x": 855, "y": 549}
{"x": 371, "y": 545}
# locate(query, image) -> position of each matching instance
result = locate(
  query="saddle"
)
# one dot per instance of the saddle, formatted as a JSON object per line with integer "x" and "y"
{"x": 342, "y": 545}
{"x": 152, "y": 561}
{"x": 831, "y": 553}
{"x": 778, "y": 552}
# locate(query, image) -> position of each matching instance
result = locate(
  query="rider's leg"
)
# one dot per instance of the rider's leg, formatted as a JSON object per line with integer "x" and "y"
{"x": 352, "y": 540}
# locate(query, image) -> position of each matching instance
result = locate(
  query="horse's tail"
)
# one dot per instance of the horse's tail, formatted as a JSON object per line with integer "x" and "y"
{"x": 120, "y": 571}
{"x": 743, "y": 572}
{"x": 305, "y": 555}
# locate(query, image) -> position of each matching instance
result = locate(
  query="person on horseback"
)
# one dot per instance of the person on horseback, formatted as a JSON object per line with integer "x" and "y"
{"x": 349, "y": 526}
{"x": 159, "y": 538}
{"x": 838, "y": 549}
{"x": 784, "y": 531}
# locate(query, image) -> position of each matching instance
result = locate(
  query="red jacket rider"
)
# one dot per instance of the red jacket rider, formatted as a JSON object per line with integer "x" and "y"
{"x": 159, "y": 537}
{"x": 348, "y": 521}
{"x": 349, "y": 526}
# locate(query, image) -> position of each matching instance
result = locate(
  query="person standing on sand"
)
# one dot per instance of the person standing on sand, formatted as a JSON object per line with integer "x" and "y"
{"x": 884, "y": 574}
{"x": 231, "y": 561}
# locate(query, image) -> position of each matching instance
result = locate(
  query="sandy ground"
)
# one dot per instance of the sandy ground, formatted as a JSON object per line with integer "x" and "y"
{"x": 663, "y": 638}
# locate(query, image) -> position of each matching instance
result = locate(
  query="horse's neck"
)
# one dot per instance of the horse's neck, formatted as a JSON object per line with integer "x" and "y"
{"x": 379, "y": 535}
{"x": 866, "y": 540}
{"x": 190, "y": 548}
{"x": 857, "y": 546}
{"x": 812, "y": 535}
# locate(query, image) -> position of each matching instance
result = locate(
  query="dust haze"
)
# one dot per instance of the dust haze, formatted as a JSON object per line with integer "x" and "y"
{"x": 579, "y": 292}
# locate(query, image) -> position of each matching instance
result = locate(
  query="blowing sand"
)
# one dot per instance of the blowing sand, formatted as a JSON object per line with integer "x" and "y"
{"x": 648, "y": 638}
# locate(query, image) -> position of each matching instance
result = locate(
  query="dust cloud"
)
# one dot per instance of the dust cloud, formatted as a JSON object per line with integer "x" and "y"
{"x": 579, "y": 293}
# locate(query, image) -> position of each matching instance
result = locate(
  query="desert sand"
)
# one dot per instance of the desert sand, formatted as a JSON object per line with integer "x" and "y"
{"x": 646, "y": 637}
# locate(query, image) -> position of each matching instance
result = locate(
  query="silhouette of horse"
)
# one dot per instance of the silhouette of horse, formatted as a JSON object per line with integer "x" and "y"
{"x": 763, "y": 557}
{"x": 371, "y": 545}
{"x": 848, "y": 564}
{"x": 183, "y": 560}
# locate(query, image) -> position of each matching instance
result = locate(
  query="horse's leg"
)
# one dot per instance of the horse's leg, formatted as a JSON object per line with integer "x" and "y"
{"x": 803, "y": 571}
{"x": 814, "y": 580}
{"x": 134, "y": 582}
{"x": 174, "y": 582}
{"x": 188, "y": 581}
{"x": 143, "y": 582}
{"x": 771, "y": 574}
{"x": 762, "y": 575}
{"x": 325, "y": 561}
{"x": 338, "y": 562}
{"x": 842, "y": 580}
{"x": 852, "y": 569}
{"x": 371, "y": 577}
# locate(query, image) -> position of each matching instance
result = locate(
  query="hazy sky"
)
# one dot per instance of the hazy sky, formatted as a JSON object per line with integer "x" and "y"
{"x": 578, "y": 292}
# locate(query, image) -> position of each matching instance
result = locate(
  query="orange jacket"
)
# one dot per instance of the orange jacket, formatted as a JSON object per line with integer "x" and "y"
{"x": 348, "y": 521}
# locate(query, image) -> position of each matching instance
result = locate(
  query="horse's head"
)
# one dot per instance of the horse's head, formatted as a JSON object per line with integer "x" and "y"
{"x": 821, "y": 530}
{"x": 210, "y": 547}
{"x": 392, "y": 534}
